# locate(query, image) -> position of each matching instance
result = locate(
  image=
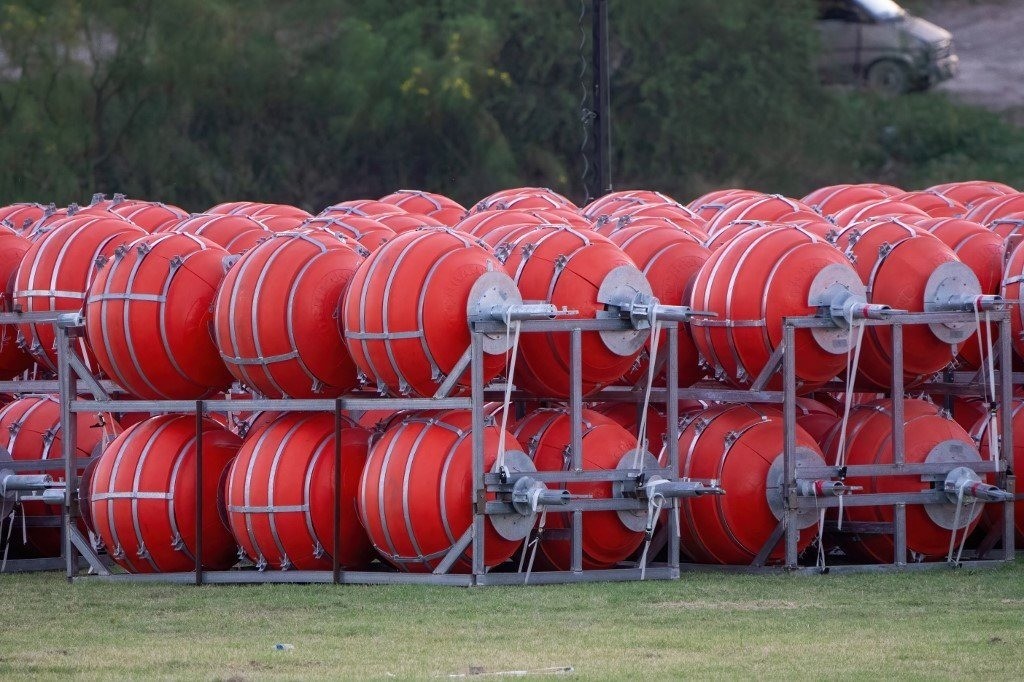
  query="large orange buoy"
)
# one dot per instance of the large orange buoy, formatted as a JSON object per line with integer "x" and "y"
{"x": 981, "y": 432}
{"x": 907, "y": 268}
{"x": 929, "y": 437}
{"x": 143, "y": 496}
{"x": 280, "y": 494}
{"x": 368, "y": 232}
{"x": 31, "y": 429}
{"x": 670, "y": 259}
{"x": 680, "y": 216}
{"x": 560, "y": 216}
{"x": 764, "y": 208}
{"x": 149, "y": 215}
{"x": 624, "y": 199}
{"x": 406, "y": 222}
{"x": 366, "y": 208}
{"x": 148, "y": 317}
{"x": 741, "y": 446}
{"x": 815, "y": 417}
{"x": 437, "y": 206}
{"x": 996, "y": 207}
{"x": 236, "y": 233}
{"x": 755, "y": 281}
{"x": 875, "y": 209}
{"x": 405, "y": 313}
{"x": 523, "y": 198}
{"x": 707, "y": 206}
{"x": 484, "y": 222}
{"x": 607, "y": 539}
{"x": 276, "y": 316}
{"x": 627, "y": 415}
{"x": 832, "y": 199}
{"x": 933, "y": 203}
{"x": 416, "y": 492}
{"x": 21, "y": 216}
{"x": 1012, "y": 290}
{"x": 55, "y": 275}
{"x": 973, "y": 191}
{"x": 582, "y": 271}
{"x": 981, "y": 250}
{"x": 14, "y": 359}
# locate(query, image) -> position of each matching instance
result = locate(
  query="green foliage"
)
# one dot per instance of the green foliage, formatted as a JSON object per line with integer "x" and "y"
{"x": 200, "y": 101}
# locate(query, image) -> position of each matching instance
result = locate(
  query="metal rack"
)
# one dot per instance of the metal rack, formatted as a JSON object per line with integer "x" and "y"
{"x": 77, "y": 551}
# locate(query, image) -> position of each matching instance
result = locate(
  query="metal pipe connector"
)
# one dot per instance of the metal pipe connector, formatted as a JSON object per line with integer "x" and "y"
{"x": 824, "y": 488}
{"x": 663, "y": 487}
{"x": 12, "y": 483}
{"x": 983, "y": 492}
{"x": 969, "y": 303}
{"x": 530, "y": 496}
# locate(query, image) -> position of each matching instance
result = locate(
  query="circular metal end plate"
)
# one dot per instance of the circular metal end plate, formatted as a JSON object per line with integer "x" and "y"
{"x": 833, "y": 284}
{"x": 944, "y": 514}
{"x": 805, "y": 518}
{"x": 633, "y": 519}
{"x": 620, "y": 288}
{"x": 515, "y": 526}
{"x": 950, "y": 280}
{"x": 493, "y": 290}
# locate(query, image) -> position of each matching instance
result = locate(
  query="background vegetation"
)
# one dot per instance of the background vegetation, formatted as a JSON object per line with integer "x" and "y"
{"x": 199, "y": 101}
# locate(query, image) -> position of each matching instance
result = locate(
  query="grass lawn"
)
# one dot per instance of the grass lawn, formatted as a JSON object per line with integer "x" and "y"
{"x": 932, "y": 625}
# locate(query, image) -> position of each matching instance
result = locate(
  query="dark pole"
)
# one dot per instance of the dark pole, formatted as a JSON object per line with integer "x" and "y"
{"x": 602, "y": 99}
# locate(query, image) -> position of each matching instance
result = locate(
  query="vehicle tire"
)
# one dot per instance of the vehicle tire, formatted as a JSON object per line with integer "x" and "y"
{"x": 888, "y": 77}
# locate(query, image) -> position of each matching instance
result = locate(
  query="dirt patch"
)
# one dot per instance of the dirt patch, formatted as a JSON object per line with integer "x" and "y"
{"x": 986, "y": 35}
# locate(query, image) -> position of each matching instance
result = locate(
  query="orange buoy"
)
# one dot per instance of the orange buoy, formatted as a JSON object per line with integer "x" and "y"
{"x": 609, "y": 537}
{"x": 437, "y": 206}
{"x": 680, "y": 216}
{"x": 614, "y": 202}
{"x": 405, "y": 222}
{"x": 781, "y": 272}
{"x": 416, "y": 492}
{"x": 143, "y": 496}
{"x": 149, "y": 215}
{"x": 484, "y": 222}
{"x": 576, "y": 270}
{"x": 909, "y": 269}
{"x": 996, "y": 207}
{"x": 932, "y": 203}
{"x": 973, "y": 191}
{"x": 368, "y": 232}
{"x": 21, "y": 216}
{"x": 148, "y": 317}
{"x": 981, "y": 432}
{"x": 929, "y": 437}
{"x": 1011, "y": 290}
{"x": 741, "y": 446}
{"x": 276, "y": 316}
{"x": 14, "y": 358}
{"x": 627, "y": 415}
{"x": 235, "y": 233}
{"x": 280, "y": 494}
{"x": 763, "y": 209}
{"x": 875, "y": 209}
{"x": 815, "y": 417}
{"x": 981, "y": 250}
{"x": 523, "y": 198}
{"x": 405, "y": 314}
{"x": 55, "y": 275}
{"x": 832, "y": 199}
{"x": 366, "y": 208}
{"x": 561, "y": 216}
{"x": 707, "y": 206}
{"x": 670, "y": 259}
{"x": 32, "y": 430}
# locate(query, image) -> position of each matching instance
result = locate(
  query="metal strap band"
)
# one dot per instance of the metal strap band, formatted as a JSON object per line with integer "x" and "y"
{"x": 1013, "y": 280}
{"x": 272, "y": 509}
{"x": 134, "y": 495}
{"x": 155, "y": 298}
{"x": 261, "y": 360}
{"x": 383, "y": 336}
{"x": 710, "y": 322}
{"x": 50, "y": 292}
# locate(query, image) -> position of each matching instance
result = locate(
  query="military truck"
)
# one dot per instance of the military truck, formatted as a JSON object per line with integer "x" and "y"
{"x": 878, "y": 44}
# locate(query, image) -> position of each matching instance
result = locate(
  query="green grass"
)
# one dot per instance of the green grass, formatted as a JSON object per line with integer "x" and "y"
{"x": 923, "y": 626}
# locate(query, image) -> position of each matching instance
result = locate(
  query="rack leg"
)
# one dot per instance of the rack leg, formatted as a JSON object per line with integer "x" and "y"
{"x": 576, "y": 417}
{"x": 789, "y": 443}
{"x": 480, "y": 491}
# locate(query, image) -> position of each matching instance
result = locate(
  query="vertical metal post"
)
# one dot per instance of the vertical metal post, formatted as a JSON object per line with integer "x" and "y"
{"x": 898, "y": 435}
{"x": 336, "y": 537}
{"x": 899, "y": 513}
{"x": 1006, "y": 410}
{"x": 200, "y": 410}
{"x": 792, "y": 535}
{"x": 672, "y": 437}
{"x": 602, "y": 98}
{"x": 479, "y": 489}
{"x": 576, "y": 421}
{"x": 67, "y": 384}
